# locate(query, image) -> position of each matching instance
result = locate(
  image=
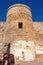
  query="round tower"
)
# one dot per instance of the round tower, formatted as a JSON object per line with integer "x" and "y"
{"x": 20, "y": 32}
{"x": 19, "y": 8}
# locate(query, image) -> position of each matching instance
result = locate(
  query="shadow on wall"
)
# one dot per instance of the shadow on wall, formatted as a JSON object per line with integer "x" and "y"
{"x": 8, "y": 59}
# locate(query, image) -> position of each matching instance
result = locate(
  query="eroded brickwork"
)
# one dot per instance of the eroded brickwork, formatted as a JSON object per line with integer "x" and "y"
{"x": 11, "y": 31}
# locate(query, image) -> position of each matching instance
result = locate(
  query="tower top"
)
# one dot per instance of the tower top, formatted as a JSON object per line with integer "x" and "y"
{"x": 17, "y": 8}
{"x": 19, "y": 5}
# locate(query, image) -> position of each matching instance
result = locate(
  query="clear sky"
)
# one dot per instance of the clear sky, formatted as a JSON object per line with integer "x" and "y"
{"x": 35, "y": 5}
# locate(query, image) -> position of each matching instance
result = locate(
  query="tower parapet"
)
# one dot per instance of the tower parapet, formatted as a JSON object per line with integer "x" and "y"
{"x": 19, "y": 8}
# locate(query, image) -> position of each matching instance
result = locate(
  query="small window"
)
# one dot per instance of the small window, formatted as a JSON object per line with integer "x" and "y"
{"x": 20, "y": 25}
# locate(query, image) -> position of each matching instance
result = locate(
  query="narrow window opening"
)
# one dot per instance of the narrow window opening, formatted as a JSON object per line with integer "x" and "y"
{"x": 20, "y": 25}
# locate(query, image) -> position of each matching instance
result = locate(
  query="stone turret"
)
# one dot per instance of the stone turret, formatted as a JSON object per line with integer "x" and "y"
{"x": 20, "y": 15}
{"x": 18, "y": 28}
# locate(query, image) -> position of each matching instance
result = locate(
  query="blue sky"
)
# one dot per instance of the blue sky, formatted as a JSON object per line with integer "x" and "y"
{"x": 35, "y": 5}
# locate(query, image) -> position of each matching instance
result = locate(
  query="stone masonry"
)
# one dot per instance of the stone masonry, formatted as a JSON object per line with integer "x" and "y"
{"x": 19, "y": 26}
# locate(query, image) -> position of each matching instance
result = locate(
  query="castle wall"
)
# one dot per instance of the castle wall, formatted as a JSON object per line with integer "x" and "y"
{"x": 20, "y": 27}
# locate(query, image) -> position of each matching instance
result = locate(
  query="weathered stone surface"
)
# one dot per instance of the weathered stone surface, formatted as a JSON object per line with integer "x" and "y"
{"x": 38, "y": 26}
{"x": 10, "y": 31}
